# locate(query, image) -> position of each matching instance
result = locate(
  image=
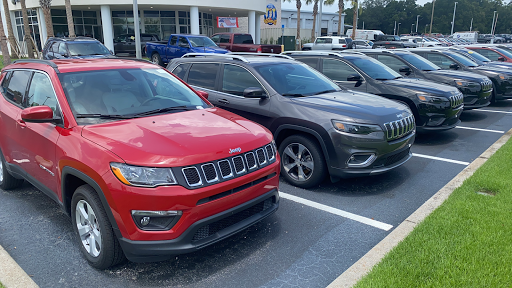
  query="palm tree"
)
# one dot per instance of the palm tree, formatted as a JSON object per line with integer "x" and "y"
{"x": 341, "y": 8}
{"x": 298, "y": 4}
{"x": 26, "y": 28}
{"x": 46, "y": 5}
{"x": 69, "y": 15}
{"x": 354, "y": 22}
{"x": 3, "y": 44}
{"x": 12, "y": 41}
{"x": 315, "y": 12}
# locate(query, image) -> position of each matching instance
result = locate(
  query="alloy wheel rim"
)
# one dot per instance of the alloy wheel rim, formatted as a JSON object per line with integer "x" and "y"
{"x": 298, "y": 162}
{"x": 155, "y": 59}
{"x": 88, "y": 228}
{"x": 1, "y": 171}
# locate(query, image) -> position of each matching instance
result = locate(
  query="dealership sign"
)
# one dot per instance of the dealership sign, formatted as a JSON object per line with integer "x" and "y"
{"x": 227, "y": 22}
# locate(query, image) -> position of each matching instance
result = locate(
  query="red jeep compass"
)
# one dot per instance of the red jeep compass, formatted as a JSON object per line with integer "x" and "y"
{"x": 145, "y": 166}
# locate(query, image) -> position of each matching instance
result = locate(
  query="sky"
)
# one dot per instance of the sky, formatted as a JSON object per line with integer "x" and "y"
{"x": 333, "y": 8}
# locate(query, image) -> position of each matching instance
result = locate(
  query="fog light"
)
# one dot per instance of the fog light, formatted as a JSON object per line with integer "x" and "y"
{"x": 435, "y": 121}
{"x": 361, "y": 160}
{"x": 155, "y": 220}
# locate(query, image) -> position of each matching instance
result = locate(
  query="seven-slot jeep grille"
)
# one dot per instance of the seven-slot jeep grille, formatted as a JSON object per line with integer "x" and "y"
{"x": 399, "y": 128}
{"x": 456, "y": 100}
{"x": 204, "y": 174}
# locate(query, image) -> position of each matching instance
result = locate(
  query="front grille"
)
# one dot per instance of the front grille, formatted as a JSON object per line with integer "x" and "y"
{"x": 486, "y": 85}
{"x": 397, "y": 157}
{"x": 261, "y": 156}
{"x": 210, "y": 174}
{"x": 399, "y": 128}
{"x": 270, "y": 152}
{"x": 192, "y": 176}
{"x": 212, "y": 228}
{"x": 456, "y": 100}
{"x": 238, "y": 162}
{"x": 251, "y": 160}
{"x": 225, "y": 169}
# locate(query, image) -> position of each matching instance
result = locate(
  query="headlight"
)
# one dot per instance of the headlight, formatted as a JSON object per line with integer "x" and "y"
{"x": 355, "y": 128}
{"x": 462, "y": 83}
{"x": 503, "y": 77}
{"x": 143, "y": 176}
{"x": 431, "y": 99}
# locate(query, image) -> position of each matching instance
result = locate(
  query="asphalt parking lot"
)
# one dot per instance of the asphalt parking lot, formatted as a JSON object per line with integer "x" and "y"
{"x": 315, "y": 235}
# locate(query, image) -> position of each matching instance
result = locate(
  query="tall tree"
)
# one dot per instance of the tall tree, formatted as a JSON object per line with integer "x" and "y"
{"x": 341, "y": 8}
{"x": 46, "y": 6}
{"x": 12, "y": 41}
{"x": 26, "y": 28}
{"x": 354, "y": 20}
{"x": 315, "y": 12}
{"x": 3, "y": 44}
{"x": 69, "y": 15}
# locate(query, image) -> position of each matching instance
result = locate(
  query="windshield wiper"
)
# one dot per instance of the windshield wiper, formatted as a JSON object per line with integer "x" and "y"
{"x": 382, "y": 79}
{"x": 103, "y": 116}
{"x": 162, "y": 110}
{"x": 293, "y": 94}
{"x": 325, "y": 91}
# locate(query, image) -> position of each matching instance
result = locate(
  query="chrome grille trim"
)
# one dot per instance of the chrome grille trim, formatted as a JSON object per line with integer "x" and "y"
{"x": 204, "y": 173}
{"x": 186, "y": 178}
{"x": 273, "y": 156}
{"x": 399, "y": 128}
{"x": 250, "y": 154}
{"x": 264, "y": 156}
{"x": 234, "y": 164}
{"x": 456, "y": 100}
{"x": 230, "y": 169}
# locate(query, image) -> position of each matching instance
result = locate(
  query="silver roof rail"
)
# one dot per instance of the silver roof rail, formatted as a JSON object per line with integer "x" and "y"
{"x": 260, "y": 54}
{"x": 191, "y": 55}
{"x": 352, "y": 52}
{"x": 321, "y": 52}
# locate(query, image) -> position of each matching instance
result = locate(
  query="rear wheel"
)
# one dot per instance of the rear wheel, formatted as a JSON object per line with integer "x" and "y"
{"x": 155, "y": 58}
{"x": 7, "y": 181}
{"x": 302, "y": 161}
{"x": 96, "y": 237}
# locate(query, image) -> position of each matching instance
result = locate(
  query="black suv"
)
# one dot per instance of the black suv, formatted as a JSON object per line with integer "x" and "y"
{"x": 124, "y": 44}
{"x": 319, "y": 127}
{"x": 74, "y": 48}
{"x": 477, "y": 89}
{"x": 436, "y": 107}
{"x": 451, "y": 60}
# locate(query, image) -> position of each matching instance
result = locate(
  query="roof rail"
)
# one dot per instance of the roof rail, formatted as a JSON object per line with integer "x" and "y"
{"x": 352, "y": 52}
{"x": 260, "y": 54}
{"x": 305, "y": 52}
{"x": 128, "y": 58}
{"x": 39, "y": 61}
{"x": 191, "y": 55}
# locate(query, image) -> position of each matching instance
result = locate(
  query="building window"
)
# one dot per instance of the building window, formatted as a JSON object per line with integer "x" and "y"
{"x": 123, "y": 22}
{"x": 86, "y": 23}
{"x": 33, "y": 24}
{"x": 161, "y": 23}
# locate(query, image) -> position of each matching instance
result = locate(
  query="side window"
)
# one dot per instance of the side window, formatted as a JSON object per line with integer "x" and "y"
{"x": 183, "y": 42}
{"x": 17, "y": 86}
{"x": 203, "y": 75}
{"x": 337, "y": 70}
{"x": 173, "y": 41}
{"x": 312, "y": 62}
{"x": 489, "y": 54}
{"x": 181, "y": 70}
{"x": 62, "y": 49}
{"x": 391, "y": 62}
{"x": 55, "y": 47}
{"x": 440, "y": 60}
{"x": 41, "y": 93}
{"x": 224, "y": 38}
{"x": 236, "y": 79}
{"x": 216, "y": 38}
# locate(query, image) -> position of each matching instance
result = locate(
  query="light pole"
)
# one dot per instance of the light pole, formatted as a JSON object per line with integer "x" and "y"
{"x": 411, "y": 27}
{"x": 471, "y": 26}
{"x": 417, "y": 18}
{"x": 492, "y": 27}
{"x": 425, "y": 32}
{"x": 453, "y": 20}
{"x": 398, "y": 30}
{"x": 432, "y": 17}
{"x": 394, "y": 29}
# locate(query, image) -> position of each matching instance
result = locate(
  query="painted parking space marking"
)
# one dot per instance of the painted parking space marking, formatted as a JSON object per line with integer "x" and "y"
{"x": 440, "y": 159}
{"x": 351, "y": 216}
{"x": 494, "y": 111}
{"x": 479, "y": 129}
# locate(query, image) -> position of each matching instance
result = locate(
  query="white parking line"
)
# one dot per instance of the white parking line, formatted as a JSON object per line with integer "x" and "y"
{"x": 338, "y": 212}
{"x": 494, "y": 111}
{"x": 441, "y": 159}
{"x": 478, "y": 129}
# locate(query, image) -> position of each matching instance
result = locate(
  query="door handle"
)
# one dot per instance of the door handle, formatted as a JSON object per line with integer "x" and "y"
{"x": 22, "y": 123}
{"x": 223, "y": 101}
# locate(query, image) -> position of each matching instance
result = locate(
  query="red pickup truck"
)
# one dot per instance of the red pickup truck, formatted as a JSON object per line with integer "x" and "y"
{"x": 239, "y": 42}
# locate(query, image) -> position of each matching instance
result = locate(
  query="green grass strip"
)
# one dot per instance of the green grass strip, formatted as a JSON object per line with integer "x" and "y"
{"x": 1, "y": 285}
{"x": 466, "y": 242}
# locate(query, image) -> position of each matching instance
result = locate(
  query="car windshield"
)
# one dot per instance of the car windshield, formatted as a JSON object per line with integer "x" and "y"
{"x": 390, "y": 38}
{"x": 374, "y": 68}
{"x": 87, "y": 48}
{"x": 464, "y": 60}
{"x": 477, "y": 56}
{"x": 294, "y": 79}
{"x": 103, "y": 95}
{"x": 420, "y": 62}
{"x": 505, "y": 52}
{"x": 201, "y": 42}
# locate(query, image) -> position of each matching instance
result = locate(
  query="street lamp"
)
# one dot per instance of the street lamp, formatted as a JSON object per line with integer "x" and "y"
{"x": 432, "y": 17}
{"x": 417, "y": 18}
{"x": 412, "y": 25}
{"x": 398, "y": 30}
{"x": 492, "y": 27}
{"x": 425, "y": 32}
{"x": 453, "y": 21}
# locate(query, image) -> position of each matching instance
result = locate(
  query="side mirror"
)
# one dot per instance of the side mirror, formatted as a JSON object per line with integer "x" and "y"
{"x": 454, "y": 66}
{"x": 354, "y": 77}
{"x": 38, "y": 114}
{"x": 501, "y": 58}
{"x": 203, "y": 94}
{"x": 254, "y": 92}
{"x": 405, "y": 69}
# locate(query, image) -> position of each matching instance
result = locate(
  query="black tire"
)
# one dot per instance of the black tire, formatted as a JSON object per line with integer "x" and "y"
{"x": 312, "y": 155}
{"x": 7, "y": 181}
{"x": 110, "y": 252}
{"x": 155, "y": 58}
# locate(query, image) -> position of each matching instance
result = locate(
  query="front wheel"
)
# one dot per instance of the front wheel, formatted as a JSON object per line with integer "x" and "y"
{"x": 96, "y": 237}
{"x": 302, "y": 161}
{"x": 155, "y": 58}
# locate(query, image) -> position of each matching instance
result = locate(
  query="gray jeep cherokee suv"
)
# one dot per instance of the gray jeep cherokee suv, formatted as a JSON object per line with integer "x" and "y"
{"x": 319, "y": 127}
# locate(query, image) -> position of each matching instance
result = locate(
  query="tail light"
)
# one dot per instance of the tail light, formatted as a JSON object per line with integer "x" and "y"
{"x": 343, "y": 45}
{"x": 258, "y": 50}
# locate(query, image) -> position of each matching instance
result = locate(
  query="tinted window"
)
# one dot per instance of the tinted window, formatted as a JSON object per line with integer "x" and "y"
{"x": 41, "y": 93}
{"x": 224, "y": 38}
{"x": 440, "y": 60}
{"x": 181, "y": 70}
{"x": 55, "y": 47}
{"x": 236, "y": 79}
{"x": 391, "y": 62}
{"x": 173, "y": 41}
{"x": 17, "y": 86}
{"x": 203, "y": 75}
{"x": 475, "y": 55}
{"x": 242, "y": 39}
{"x": 420, "y": 62}
{"x": 146, "y": 38}
{"x": 216, "y": 38}
{"x": 489, "y": 54}
{"x": 464, "y": 60}
{"x": 505, "y": 52}
{"x": 337, "y": 70}
{"x": 311, "y": 62}
{"x": 183, "y": 42}
{"x": 62, "y": 49}
{"x": 87, "y": 48}
{"x": 374, "y": 68}
{"x": 323, "y": 40}
{"x": 201, "y": 42}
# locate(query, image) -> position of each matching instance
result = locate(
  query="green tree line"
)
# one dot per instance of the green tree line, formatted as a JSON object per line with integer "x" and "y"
{"x": 382, "y": 14}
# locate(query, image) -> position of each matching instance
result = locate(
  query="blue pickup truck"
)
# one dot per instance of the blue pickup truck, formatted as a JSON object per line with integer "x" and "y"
{"x": 161, "y": 52}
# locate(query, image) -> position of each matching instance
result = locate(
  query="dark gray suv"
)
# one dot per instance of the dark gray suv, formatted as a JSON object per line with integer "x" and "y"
{"x": 319, "y": 128}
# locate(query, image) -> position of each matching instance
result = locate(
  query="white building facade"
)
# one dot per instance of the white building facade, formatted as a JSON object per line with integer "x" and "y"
{"x": 330, "y": 21}
{"x": 107, "y": 19}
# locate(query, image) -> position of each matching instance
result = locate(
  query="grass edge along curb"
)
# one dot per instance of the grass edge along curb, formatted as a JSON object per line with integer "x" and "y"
{"x": 359, "y": 269}
{"x": 11, "y": 274}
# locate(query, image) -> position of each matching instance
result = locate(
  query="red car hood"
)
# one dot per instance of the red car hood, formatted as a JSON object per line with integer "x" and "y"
{"x": 178, "y": 139}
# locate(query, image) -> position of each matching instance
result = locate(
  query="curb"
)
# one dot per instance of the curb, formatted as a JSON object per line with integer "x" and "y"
{"x": 11, "y": 274}
{"x": 364, "y": 265}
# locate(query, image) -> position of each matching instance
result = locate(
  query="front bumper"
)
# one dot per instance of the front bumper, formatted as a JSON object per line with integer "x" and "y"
{"x": 476, "y": 99}
{"x": 438, "y": 118}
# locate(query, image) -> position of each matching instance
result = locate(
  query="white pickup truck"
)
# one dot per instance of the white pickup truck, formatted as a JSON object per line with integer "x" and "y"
{"x": 329, "y": 43}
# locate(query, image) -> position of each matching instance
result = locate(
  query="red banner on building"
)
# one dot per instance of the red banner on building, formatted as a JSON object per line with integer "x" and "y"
{"x": 227, "y": 22}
